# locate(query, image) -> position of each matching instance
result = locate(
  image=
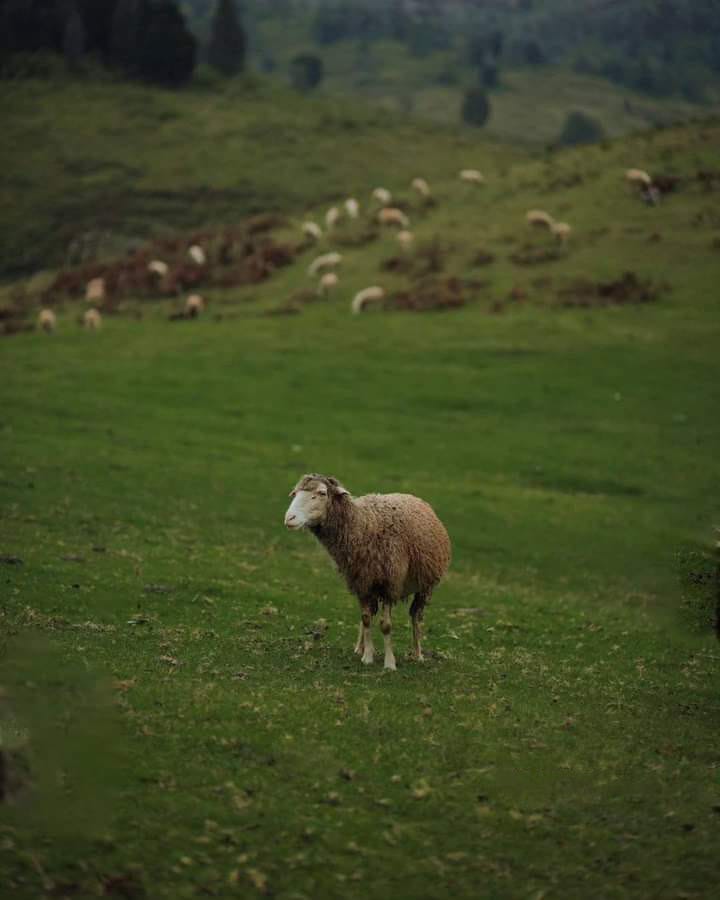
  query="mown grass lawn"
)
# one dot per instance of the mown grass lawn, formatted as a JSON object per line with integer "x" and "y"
{"x": 181, "y": 711}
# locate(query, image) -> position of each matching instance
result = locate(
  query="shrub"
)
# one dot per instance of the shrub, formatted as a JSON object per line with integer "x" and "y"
{"x": 306, "y": 71}
{"x": 580, "y": 128}
{"x": 475, "y": 107}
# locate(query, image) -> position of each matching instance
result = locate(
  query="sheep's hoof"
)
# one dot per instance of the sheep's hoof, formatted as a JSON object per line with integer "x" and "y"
{"x": 390, "y": 666}
{"x": 367, "y": 659}
{"x": 359, "y": 650}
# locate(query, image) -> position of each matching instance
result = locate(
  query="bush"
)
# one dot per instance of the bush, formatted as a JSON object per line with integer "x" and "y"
{"x": 580, "y": 128}
{"x": 306, "y": 71}
{"x": 475, "y": 107}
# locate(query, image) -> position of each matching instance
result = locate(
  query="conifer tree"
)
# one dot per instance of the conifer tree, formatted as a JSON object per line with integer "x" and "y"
{"x": 73, "y": 38}
{"x": 127, "y": 22}
{"x": 226, "y": 50}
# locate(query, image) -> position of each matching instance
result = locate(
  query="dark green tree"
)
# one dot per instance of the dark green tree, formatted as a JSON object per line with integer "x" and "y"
{"x": 475, "y": 107}
{"x": 227, "y": 46}
{"x": 166, "y": 49}
{"x": 74, "y": 39}
{"x": 306, "y": 71}
{"x": 534, "y": 53}
{"x": 128, "y": 21}
{"x": 580, "y": 128}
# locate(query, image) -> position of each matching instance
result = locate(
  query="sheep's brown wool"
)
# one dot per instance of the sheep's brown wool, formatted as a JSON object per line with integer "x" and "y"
{"x": 386, "y": 546}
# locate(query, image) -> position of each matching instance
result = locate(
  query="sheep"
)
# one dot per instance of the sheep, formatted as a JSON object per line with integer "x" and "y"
{"x": 386, "y": 546}
{"x": 639, "y": 177}
{"x": 95, "y": 290}
{"x": 366, "y": 295}
{"x": 312, "y": 230}
{"x": 471, "y": 176}
{"x": 197, "y": 254}
{"x": 382, "y": 195}
{"x": 158, "y": 267}
{"x": 352, "y": 208}
{"x": 539, "y": 218}
{"x": 331, "y": 217}
{"x": 405, "y": 239}
{"x": 194, "y": 305}
{"x": 391, "y": 215}
{"x": 328, "y": 281}
{"x": 47, "y": 320}
{"x": 326, "y": 261}
{"x": 421, "y": 186}
{"x": 92, "y": 320}
{"x": 561, "y": 230}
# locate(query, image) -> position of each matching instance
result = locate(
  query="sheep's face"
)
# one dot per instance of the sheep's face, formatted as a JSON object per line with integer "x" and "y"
{"x": 311, "y": 499}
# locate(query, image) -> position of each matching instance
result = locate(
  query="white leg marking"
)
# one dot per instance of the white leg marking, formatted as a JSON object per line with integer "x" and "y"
{"x": 359, "y": 643}
{"x": 387, "y": 638}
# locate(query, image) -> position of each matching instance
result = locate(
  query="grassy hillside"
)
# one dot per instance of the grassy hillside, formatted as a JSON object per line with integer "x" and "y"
{"x": 180, "y": 711}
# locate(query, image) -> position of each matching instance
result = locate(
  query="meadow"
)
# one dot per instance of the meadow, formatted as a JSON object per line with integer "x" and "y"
{"x": 181, "y": 713}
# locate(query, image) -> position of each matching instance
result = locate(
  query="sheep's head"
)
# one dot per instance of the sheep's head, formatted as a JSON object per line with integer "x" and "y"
{"x": 312, "y": 499}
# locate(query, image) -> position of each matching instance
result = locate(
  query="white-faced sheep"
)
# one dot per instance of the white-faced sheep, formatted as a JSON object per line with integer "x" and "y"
{"x": 382, "y": 195}
{"x": 194, "y": 305}
{"x": 327, "y": 283}
{"x": 352, "y": 207}
{"x": 561, "y": 230}
{"x": 47, "y": 320}
{"x": 538, "y": 218}
{"x": 312, "y": 230}
{"x": 472, "y": 176}
{"x": 421, "y": 186}
{"x": 365, "y": 296}
{"x": 326, "y": 261}
{"x": 391, "y": 215}
{"x": 92, "y": 320}
{"x": 405, "y": 239}
{"x": 158, "y": 267}
{"x": 197, "y": 254}
{"x": 95, "y": 290}
{"x": 386, "y": 546}
{"x": 638, "y": 177}
{"x": 331, "y": 217}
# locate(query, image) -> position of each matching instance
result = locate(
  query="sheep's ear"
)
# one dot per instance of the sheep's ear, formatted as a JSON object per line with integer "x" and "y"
{"x": 337, "y": 489}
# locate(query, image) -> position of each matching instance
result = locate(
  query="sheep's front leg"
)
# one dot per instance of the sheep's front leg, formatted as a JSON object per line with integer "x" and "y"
{"x": 367, "y": 641}
{"x": 386, "y": 628}
{"x": 359, "y": 644}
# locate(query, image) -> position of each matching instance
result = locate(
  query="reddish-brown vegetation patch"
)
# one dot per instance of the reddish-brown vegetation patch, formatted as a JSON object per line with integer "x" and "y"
{"x": 629, "y": 288}
{"x": 429, "y": 294}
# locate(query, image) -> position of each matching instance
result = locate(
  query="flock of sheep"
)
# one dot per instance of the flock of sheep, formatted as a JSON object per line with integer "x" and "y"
{"x": 325, "y": 267}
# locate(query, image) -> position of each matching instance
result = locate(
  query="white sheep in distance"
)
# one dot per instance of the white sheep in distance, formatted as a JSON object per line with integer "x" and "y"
{"x": 405, "y": 239}
{"x": 561, "y": 230}
{"x": 92, "y": 320}
{"x": 312, "y": 230}
{"x": 197, "y": 254}
{"x": 638, "y": 177}
{"x": 158, "y": 267}
{"x": 331, "y": 217}
{"x": 421, "y": 186}
{"x": 382, "y": 195}
{"x": 327, "y": 283}
{"x": 386, "y": 546}
{"x": 352, "y": 207}
{"x": 538, "y": 218}
{"x": 471, "y": 176}
{"x": 47, "y": 320}
{"x": 391, "y": 215}
{"x": 365, "y": 296}
{"x": 194, "y": 305}
{"x": 95, "y": 290}
{"x": 326, "y": 261}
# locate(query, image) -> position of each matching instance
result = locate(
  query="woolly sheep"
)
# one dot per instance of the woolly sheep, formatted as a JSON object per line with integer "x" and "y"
{"x": 328, "y": 281}
{"x": 352, "y": 207}
{"x": 391, "y": 215}
{"x": 421, "y": 186}
{"x": 638, "y": 176}
{"x": 382, "y": 195}
{"x": 331, "y": 217}
{"x": 472, "y": 176}
{"x": 194, "y": 305}
{"x": 312, "y": 229}
{"x": 158, "y": 267}
{"x": 386, "y": 546}
{"x": 326, "y": 261}
{"x": 95, "y": 290}
{"x": 92, "y": 320}
{"x": 197, "y": 254}
{"x": 539, "y": 218}
{"x": 561, "y": 230}
{"x": 47, "y": 320}
{"x": 366, "y": 295}
{"x": 405, "y": 239}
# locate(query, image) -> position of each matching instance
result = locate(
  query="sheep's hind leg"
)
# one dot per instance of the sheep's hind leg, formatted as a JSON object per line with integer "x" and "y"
{"x": 386, "y": 628}
{"x": 359, "y": 644}
{"x": 417, "y": 610}
{"x": 368, "y": 649}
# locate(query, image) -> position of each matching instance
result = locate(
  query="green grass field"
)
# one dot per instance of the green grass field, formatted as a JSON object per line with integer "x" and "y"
{"x": 181, "y": 714}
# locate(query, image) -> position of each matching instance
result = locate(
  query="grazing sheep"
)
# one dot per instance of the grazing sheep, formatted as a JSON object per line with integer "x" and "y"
{"x": 382, "y": 195}
{"x": 638, "y": 177}
{"x": 386, "y": 546}
{"x": 472, "y": 176}
{"x": 391, "y": 215}
{"x": 650, "y": 194}
{"x": 366, "y": 295}
{"x": 47, "y": 320}
{"x": 405, "y": 239}
{"x": 197, "y": 254}
{"x": 92, "y": 320}
{"x": 561, "y": 230}
{"x": 194, "y": 305}
{"x": 158, "y": 267}
{"x": 331, "y": 217}
{"x": 352, "y": 208}
{"x": 421, "y": 186}
{"x": 326, "y": 261}
{"x": 95, "y": 290}
{"x": 328, "y": 281}
{"x": 312, "y": 230}
{"x": 540, "y": 219}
